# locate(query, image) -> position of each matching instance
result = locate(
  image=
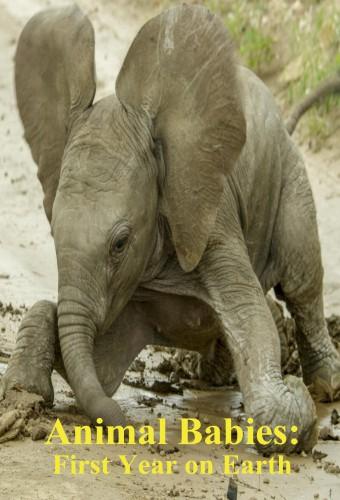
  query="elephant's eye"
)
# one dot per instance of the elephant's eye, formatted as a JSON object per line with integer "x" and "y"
{"x": 119, "y": 239}
{"x": 120, "y": 244}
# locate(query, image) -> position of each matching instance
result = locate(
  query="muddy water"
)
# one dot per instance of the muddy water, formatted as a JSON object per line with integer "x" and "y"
{"x": 211, "y": 407}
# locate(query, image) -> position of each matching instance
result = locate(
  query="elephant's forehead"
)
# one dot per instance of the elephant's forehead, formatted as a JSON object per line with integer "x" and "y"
{"x": 93, "y": 169}
{"x": 107, "y": 143}
{"x": 96, "y": 155}
{"x": 102, "y": 129}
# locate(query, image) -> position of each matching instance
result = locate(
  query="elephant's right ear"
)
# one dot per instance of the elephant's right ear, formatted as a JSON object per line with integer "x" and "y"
{"x": 55, "y": 83}
{"x": 181, "y": 70}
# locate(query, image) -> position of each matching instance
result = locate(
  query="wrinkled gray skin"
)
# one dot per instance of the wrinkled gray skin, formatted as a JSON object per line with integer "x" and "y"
{"x": 174, "y": 207}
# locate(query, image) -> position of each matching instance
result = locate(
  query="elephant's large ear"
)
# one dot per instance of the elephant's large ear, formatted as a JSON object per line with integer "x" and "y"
{"x": 181, "y": 70}
{"x": 55, "y": 83}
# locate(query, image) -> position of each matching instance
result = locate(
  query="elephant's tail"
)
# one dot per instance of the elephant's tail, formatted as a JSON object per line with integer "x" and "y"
{"x": 329, "y": 86}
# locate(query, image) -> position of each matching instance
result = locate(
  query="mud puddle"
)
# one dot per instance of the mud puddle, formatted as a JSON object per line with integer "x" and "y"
{"x": 164, "y": 383}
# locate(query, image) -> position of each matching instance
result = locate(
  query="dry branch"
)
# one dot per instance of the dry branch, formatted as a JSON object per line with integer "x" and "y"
{"x": 327, "y": 87}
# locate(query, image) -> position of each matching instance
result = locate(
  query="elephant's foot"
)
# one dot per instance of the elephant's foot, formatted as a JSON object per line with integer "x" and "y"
{"x": 292, "y": 408}
{"x": 323, "y": 379}
{"x": 21, "y": 375}
{"x": 30, "y": 366}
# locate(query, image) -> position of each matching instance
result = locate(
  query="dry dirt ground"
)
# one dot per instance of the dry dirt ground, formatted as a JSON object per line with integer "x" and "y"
{"x": 28, "y": 273}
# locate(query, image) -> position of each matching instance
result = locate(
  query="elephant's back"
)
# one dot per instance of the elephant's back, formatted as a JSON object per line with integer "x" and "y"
{"x": 258, "y": 175}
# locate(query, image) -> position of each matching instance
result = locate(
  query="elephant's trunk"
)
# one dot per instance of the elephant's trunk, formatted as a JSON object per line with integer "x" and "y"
{"x": 76, "y": 333}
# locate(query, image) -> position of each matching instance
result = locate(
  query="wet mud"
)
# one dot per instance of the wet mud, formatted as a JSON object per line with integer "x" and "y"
{"x": 166, "y": 370}
{"x": 165, "y": 382}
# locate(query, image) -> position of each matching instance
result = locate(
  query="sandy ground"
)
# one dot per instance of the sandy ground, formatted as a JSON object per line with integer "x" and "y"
{"x": 28, "y": 273}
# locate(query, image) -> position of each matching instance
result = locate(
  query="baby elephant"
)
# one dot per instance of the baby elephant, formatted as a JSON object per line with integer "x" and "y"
{"x": 175, "y": 206}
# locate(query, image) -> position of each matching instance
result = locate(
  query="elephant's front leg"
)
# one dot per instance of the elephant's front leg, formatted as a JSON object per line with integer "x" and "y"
{"x": 252, "y": 337}
{"x": 30, "y": 366}
{"x": 37, "y": 350}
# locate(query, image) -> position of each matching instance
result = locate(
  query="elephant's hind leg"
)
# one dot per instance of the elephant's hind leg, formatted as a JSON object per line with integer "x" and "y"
{"x": 31, "y": 363}
{"x": 297, "y": 248}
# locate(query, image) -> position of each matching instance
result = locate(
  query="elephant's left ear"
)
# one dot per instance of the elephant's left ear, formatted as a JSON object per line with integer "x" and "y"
{"x": 55, "y": 84}
{"x": 181, "y": 70}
